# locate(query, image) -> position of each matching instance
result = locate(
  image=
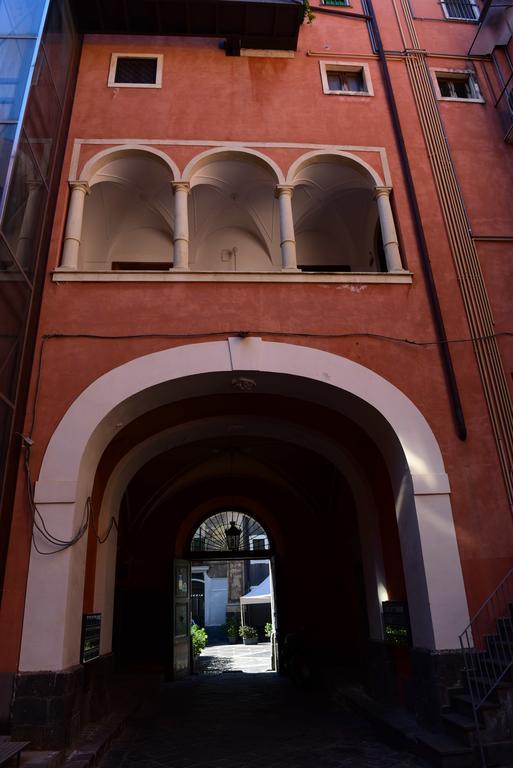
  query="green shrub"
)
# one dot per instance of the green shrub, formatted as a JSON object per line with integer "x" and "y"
{"x": 268, "y": 630}
{"x": 199, "y": 639}
{"x": 231, "y": 628}
{"x": 247, "y": 633}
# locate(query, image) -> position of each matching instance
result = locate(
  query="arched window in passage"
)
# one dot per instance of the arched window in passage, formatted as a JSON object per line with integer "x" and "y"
{"x": 231, "y": 532}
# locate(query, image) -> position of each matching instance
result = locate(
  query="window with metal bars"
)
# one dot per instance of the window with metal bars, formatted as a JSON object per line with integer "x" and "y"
{"x": 460, "y": 9}
{"x": 131, "y": 70}
{"x": 135, "y": 71}
{"x": 335, "y": 2}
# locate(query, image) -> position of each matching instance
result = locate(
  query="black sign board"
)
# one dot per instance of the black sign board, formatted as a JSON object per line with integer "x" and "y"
{"x": 396, "y": 623}
{"x": 91, "y": 629}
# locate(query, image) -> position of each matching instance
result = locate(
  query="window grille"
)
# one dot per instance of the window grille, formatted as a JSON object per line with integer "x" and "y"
{"x": 335, "y": 2}
{"x": 136, "y": 70}
{"x": 460, "y": 9}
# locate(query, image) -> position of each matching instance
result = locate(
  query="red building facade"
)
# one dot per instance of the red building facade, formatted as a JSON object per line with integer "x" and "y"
{"x": 278, "y": 281}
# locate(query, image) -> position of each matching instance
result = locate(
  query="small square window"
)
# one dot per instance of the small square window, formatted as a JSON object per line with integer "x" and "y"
{"x": 345, "y": 78}
{"x": 460, "y": 9}
{"x": 135, "y": 71}
{"x": 457, "y": 86}
{"x": 335, "y": 2}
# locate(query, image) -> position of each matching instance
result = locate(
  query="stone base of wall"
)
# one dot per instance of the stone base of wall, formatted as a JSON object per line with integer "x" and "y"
{"x": 415, "y": 678}
{"x": 432, "y": 672}
{"x": 50, "y": 708}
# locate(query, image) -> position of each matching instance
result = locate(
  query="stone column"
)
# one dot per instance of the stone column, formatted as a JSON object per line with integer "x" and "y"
{"x": 388, "y": 231}
{"x": 25, "y": 249}
{"x": 287, "y": 236}
{"x": 181, "y": 232}
{"x": 73, "y": 231}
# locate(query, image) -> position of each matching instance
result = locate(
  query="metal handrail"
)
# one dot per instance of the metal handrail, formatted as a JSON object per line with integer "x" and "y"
{"x": 487, "y": 648}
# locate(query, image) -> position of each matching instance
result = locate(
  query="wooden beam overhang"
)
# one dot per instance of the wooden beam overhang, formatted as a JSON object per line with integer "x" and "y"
{"x": 270, "y": 24}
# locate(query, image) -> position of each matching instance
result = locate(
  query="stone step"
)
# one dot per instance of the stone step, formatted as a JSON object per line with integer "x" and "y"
{"x": 442, "y": 751}
{"x": 459, "y": 727}
{"x": 462, "y": 703}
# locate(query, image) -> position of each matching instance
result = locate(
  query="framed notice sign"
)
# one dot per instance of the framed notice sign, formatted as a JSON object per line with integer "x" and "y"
{"x": 396, "y": 623}
{"x": 91, "y": 631}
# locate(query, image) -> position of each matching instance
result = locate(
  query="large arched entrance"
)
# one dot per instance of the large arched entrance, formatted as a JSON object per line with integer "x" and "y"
{"x": 338, "y": 463}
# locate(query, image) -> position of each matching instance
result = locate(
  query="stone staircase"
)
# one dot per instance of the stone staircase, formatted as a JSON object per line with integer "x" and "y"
{"x": 490, "y": 725}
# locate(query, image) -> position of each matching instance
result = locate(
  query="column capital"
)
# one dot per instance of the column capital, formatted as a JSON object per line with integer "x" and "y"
{"x": 284, "y": 189}
{"x": 185, "y": 186}
{"x": 83, "y": 186}
{"x": 382, "y": 191}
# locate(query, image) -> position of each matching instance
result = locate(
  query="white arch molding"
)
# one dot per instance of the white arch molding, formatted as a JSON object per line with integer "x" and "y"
{"x": 438, "y": 607}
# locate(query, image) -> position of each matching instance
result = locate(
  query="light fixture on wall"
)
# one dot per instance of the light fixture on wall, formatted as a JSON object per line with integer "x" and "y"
{"x": 233, "y": 535}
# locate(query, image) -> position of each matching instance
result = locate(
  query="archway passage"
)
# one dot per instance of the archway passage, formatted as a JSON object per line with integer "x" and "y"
{"x": 337, "y": 464}
{"x": 249, "y": 458}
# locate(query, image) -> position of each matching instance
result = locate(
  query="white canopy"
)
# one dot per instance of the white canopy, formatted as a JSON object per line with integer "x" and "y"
{"x": 261, "y": 593}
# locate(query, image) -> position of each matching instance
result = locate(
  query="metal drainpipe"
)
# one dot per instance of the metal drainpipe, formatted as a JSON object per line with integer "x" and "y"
{"x": 450, "y": 377}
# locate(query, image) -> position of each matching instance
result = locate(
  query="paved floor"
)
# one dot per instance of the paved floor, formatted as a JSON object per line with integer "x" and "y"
{"x": 234, "y": 658}
{"x": 237, "y": 720}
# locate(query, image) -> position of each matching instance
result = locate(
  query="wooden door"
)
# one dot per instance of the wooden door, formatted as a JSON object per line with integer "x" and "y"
{"x": 181, "y": 618}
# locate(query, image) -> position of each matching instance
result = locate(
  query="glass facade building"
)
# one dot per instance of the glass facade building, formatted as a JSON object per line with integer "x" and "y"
{"x": 39, "y": 50}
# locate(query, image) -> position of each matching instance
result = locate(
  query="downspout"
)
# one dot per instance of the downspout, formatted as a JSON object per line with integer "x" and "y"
{"x": 445, "y": 354}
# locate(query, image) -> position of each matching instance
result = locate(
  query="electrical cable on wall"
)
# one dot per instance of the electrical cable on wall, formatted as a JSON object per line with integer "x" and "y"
{"x": 39, "y": 525}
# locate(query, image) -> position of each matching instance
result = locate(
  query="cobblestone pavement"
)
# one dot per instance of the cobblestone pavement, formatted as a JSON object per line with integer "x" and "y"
{"x": 234, "y": 658}
{"x": 236, "y": 720}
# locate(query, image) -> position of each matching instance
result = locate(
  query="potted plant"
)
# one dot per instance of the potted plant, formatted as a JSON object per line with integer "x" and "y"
{"x": 249, "y": 635}
{"x": 199, "y": 639}
{"x": 268, "y": 630}
{"x": 232, "y": 630}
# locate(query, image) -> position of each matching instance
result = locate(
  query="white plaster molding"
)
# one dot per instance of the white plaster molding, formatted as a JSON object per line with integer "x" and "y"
{"x": 310, "y": 157}
{"x": 101, "y": 159}
{"x": 113, "y": 276}
{"x": 129, "y": 143}
{"x": 430, "y": 484}
{"x": 233, "y": 152}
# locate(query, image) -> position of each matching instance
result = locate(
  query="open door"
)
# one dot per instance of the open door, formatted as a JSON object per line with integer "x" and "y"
{"x": 275, "y": 660}
{"x": 181, "y": 619}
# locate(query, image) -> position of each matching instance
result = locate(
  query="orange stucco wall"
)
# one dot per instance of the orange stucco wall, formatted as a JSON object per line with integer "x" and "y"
{"x": 208, "y": 97}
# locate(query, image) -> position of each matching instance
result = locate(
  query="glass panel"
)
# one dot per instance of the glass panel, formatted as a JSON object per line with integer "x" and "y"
{"x": 7, "y": 133}
{"x": 59, "y": 41}
{"x": 354, "y": 81}
{"x": 14, "y": 305}
{"x": 20, "y": 17}
{"x": 42, "y": 116}
{"x": 445, "y": 88}
{"x": 334, "y": 81}
{"x": 15, "y": 59}
{"x": 462, "y": 89}
{"x": 24, "y": 208}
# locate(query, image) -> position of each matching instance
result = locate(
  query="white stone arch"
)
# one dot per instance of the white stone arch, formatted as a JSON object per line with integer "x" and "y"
{"x": 227, "y": 153}
{"x": 438, "y": 606}
{"x": 324, "y": 154}
{"x": 98, "y": 161}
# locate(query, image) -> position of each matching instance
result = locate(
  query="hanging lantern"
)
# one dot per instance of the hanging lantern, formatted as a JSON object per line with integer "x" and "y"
{"x": 233, "y": 537}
